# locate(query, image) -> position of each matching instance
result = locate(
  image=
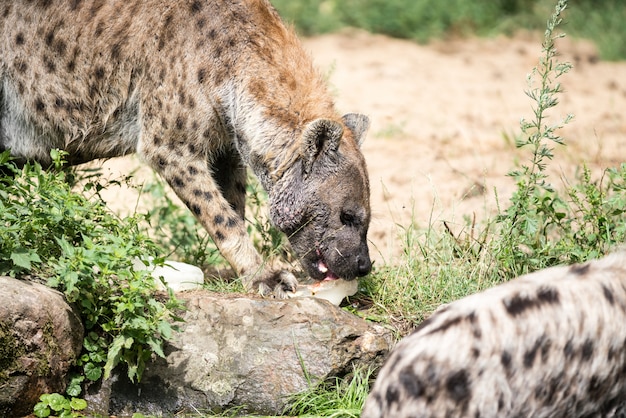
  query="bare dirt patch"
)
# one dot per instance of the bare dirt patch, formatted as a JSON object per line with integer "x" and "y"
{"x": 444, "y": 117}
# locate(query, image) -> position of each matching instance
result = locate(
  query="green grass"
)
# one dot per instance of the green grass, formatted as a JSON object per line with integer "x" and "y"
{"x": 336, "y": 398}
{"x": 422, "y": 20}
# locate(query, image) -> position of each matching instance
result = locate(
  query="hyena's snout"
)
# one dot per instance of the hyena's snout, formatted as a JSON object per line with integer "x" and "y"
{"x": 343, "y": 260}
{"x": 363, "y": 263}
{"x": 352, "y": 262}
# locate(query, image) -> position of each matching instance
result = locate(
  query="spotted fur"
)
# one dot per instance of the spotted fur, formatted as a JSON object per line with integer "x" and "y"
{"x": 200, "y": 89}
{"x": 548, "y": 344}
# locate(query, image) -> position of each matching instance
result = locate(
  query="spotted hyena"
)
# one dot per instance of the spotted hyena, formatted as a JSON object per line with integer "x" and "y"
{"x": 549, "y": 344}
{"x": 200, "y": 89}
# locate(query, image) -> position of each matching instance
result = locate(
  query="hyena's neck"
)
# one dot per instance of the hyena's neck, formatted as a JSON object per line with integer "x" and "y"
{"x": 271, "y": 90}
{"x": 268, "y": 133}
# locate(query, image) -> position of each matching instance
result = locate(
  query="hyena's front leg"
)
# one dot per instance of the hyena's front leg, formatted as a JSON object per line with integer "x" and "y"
{"x": 193, "y": 181}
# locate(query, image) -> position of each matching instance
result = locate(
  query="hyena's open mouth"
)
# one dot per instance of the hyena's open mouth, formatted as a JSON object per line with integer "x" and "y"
{"x": 321, "y": 266}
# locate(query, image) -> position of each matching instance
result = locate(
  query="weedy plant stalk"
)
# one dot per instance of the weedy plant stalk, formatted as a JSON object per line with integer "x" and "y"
{"x": 542, "y": 226}
{"x": 526, "y": 226}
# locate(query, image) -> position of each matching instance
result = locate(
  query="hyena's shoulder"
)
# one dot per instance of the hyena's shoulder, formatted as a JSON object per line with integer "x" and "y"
{"x": 74, "y": 73}
{"x": 546, "y": 344}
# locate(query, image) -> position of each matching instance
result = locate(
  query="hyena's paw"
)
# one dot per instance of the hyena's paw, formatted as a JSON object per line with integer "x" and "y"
{"x": 273, "y": 283}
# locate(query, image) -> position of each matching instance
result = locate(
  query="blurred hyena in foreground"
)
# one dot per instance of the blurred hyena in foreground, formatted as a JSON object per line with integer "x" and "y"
{"x": 549, "y": 344}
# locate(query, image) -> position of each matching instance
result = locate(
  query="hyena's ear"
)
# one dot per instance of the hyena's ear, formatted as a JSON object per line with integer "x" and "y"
{"x": 358, "y": 124}
{"x": 321, "y": 136}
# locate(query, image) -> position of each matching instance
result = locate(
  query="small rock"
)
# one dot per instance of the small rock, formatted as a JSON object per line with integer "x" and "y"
{"x": 40, "y": 338}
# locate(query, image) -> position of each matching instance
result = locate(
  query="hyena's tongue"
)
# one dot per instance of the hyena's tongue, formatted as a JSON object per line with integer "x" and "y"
{"x": 329, "y": 275}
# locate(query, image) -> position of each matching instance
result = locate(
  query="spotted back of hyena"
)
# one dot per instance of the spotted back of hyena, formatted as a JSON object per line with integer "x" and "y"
{"x": 548, "y": 344}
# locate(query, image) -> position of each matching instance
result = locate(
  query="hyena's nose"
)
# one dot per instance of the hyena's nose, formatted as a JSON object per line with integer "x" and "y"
{"x": 363, "y": 264}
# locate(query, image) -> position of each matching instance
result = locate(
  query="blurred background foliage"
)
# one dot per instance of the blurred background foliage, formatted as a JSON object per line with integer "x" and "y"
{"x": 602, "y": 21}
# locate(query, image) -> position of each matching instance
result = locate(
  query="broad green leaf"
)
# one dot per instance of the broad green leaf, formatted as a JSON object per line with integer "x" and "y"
{"x": 128, "y": 342}
{"x": 113, "y": 356}
{"x": 58, "y": 402}
{"x": 22, "y": 257}
{"x": 92, "y": 371}
{"x": 41, "y": 410}
{"x": 66, "y": 248}
{"x": 132, "y": 372}
{"x": 156, "y": 346}
{"x": 74, "y": 387}
{"x": 165, "y": 329}
{"x": 78, "y": 404}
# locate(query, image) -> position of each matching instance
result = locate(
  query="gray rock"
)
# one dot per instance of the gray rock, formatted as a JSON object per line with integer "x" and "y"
{"x": 40, "y": 338}
{"x": 246, "y": 351}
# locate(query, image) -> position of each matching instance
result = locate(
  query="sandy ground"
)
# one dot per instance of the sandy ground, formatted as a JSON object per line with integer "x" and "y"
{"x": 443, "y": 118}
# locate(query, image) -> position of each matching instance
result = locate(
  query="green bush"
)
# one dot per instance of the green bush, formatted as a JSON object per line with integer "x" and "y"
{"x": 48, "y": 231}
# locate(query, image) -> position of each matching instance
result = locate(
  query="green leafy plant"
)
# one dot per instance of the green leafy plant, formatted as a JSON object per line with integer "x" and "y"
{"x": 536, "y": 209}
{"x": 49, "y": 231}
{"x": 60, "y": 406}
{"x": 598, "y": 206}
{"x": 542, "y": 226}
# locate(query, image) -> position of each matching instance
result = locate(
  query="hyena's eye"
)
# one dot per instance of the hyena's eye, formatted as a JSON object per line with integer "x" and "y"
{"x": 348, "y": 218}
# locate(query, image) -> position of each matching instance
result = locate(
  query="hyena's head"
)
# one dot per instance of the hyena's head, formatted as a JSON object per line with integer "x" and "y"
{"x": 322, "y": 203}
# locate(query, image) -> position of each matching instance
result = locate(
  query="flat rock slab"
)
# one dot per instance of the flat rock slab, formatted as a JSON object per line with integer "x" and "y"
{"x": 40, "y": 338}
{"x": 240, "y": 350}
